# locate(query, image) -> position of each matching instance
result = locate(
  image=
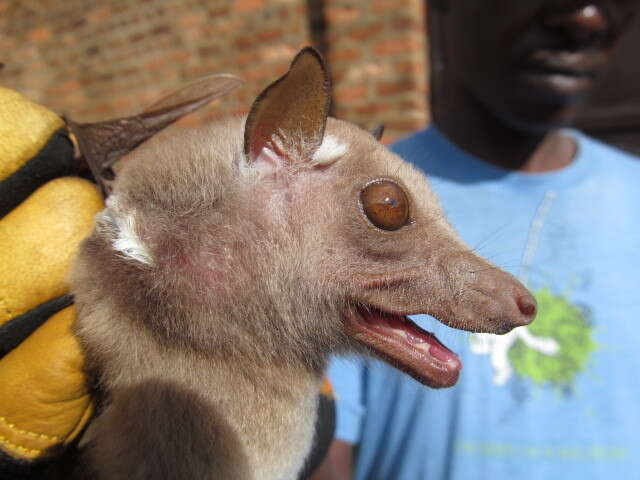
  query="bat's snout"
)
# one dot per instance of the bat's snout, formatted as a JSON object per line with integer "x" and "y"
{"x": 501, "y": 302}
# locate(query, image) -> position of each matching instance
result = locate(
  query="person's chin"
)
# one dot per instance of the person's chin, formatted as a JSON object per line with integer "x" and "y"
{"x": 559, "y": 87}
{"x": 544, "y": 103}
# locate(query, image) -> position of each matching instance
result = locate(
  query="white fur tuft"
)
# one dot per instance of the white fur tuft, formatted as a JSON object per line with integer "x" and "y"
{"x": 330, "y": 150}
{"x": 122, "y": 229}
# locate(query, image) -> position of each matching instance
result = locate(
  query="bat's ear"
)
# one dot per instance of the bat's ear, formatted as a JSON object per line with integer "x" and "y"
{"x": 378, "y": 132}
{"x": 102, "y": 144}
{"x": 287, "y": 121}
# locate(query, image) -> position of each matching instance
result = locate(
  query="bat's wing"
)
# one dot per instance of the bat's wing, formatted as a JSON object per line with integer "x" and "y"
{"x": 103, "y": 143}
{"x": 203, "y": 89}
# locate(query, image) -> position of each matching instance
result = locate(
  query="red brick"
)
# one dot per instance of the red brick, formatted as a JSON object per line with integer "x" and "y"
{"x": 123, "y": 104}
{"x": 148, "y": 56}
{"x": 155, "y": 64}
{"x": 383, "y": 6}
{"x": 299, "y": 10}
{"x": 138, "y": 36}
{"x": 348, "y": 94}
{"x": 373, "y": 108}
{"x": 405, "y": 125}
{"x": 269, "y": 35}
{"x": 160, "y": 29}
{"x": 399, "y": 86}
{"x": 65, "y": 87}
{"x": 247, "y": 58}
{"x": 219, "y": 12}
{"x": 198, "y": 70}
{"x": 246, "y": 6}
{"x": 417, "y": 68}
{"x": 399, "y": 45}
{"x": 105, "y": 77}
{"x": 405, "y": 24}
{"x": 259, "y": 73}
{"x": 366, "y": 32}
{"x": 40, "y": 35}
{"x": 180, "y": 56}
{"x": 100, "y": 108}
{"x": 120, "y": 8}
{"x": 344, "y": 55}
{"x": 212, "y": 50}
{"x": 416, "y": 104}
{"x": 129, "y": 72}
{"x": 341, "y": 15}
{"x": 387, "y": 6}
{"x": 191, "y": 20}
{"x": 244, "y": 42}
{"x": 99, "y": 14}
{"x": 283, "y": 14}
{"x": 223, "y": 28}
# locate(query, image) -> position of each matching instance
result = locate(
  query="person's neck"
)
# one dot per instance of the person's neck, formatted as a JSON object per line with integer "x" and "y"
{"x": 486, "y": 137}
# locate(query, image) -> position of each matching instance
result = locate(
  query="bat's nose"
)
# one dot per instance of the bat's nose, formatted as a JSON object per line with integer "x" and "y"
{"x": 527, "y": 306}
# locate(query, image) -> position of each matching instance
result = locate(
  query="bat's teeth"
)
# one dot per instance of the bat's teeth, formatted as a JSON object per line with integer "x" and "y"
{"x": 397, "y": 329}
{"x": 414, "y": 339}
{"x": 408, "y": 346}
{"x": 404, "y": 328}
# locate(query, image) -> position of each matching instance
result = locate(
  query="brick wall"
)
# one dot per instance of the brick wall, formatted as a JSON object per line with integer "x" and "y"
{"x": 377, "y": 53}
{"x": 96, "y": 59}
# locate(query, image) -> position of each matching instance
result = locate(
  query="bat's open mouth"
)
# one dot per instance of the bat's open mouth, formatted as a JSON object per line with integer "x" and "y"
{"x": 405, "y": 345}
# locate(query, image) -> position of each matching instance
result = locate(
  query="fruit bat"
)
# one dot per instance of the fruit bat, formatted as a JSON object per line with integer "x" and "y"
{"x": 234, "y": 258}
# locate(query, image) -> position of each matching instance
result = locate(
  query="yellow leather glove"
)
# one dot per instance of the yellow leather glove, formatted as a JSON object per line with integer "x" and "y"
{"x": 44, "y": 215}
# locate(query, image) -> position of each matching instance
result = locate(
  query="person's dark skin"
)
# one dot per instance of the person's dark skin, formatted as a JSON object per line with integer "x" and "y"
{"x": 509, "y": 78}
{"x": 506, "y": 74}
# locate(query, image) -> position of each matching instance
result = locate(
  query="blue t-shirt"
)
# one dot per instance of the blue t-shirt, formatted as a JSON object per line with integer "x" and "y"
{"x": 556, "y": 400}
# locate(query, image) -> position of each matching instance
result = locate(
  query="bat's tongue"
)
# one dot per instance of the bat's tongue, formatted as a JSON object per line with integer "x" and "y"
{"x": 407, "y": 346}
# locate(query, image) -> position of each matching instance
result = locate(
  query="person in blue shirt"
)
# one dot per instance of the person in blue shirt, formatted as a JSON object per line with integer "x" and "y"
{"x": 561, "y": 211}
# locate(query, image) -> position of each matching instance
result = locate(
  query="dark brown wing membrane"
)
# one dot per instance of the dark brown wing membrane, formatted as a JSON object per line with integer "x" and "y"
{"x": 211, "y": 87}
{"x": 103, "y": 143}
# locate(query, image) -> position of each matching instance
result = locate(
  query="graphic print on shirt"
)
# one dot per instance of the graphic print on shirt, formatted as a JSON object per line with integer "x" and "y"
{"x": 552, "y": 351}
{"x": 555, "y": 348}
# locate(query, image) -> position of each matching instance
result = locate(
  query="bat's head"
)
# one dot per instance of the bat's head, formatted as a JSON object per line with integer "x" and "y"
{"x": 288, "y": 235}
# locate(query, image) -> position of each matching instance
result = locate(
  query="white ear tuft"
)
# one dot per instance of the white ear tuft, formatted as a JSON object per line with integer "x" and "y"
{"x": 329, "y": 151}
{"x": 121, "y": 227}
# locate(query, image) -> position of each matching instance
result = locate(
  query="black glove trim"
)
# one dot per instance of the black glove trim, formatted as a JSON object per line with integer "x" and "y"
{"x": 16, "y": 330}
{"x": 325, "y": 430}
{"x": 14, "y": 469}
{"x": 54, "y": 160}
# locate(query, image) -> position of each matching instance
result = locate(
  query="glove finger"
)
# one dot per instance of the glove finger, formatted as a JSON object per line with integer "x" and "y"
{"x": 38, "y": 241}
{"x": 16, "y": 330}
{"x": 34, "y": 148}
{"x": 45, "y": 402}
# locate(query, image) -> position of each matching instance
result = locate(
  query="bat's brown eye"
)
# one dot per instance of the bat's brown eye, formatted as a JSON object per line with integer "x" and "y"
{"x": 385, "y": 205}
